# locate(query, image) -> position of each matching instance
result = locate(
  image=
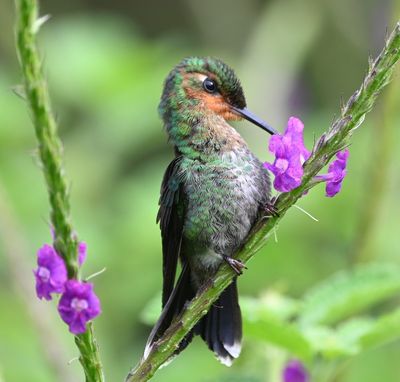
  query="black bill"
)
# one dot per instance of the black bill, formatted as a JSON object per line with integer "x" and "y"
{"x": 246, "y": 114}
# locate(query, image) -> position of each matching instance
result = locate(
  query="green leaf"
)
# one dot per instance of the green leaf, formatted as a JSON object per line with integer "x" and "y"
{"x": 262, "y": 324}
{"x": 347, "y": 293}
{"x": 355, "y": 335}
{"x": 325, "y": 341}
{"x": 352, "y": 330}
{"x": 273, "y": 302}
{"x": 384, "y": 330}
{"x": 340, "y": 343}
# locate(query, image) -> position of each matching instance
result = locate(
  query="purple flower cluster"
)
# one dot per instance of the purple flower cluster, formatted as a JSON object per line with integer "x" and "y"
{"x": 294, "y": 371}
{"x": 50, "y": 274}
{"x": 78, "y": 303}
{"x": 336, "y": 174}
{"x": 290, "y": 155}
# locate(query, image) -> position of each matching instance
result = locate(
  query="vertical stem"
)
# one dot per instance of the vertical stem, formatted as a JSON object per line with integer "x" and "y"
{"x": 50, "y": 147}
{"x": 50, "y": 151}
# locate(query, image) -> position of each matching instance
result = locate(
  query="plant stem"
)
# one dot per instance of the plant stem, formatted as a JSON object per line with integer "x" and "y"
{"x": 50, "y": 151}
{"x": 335, "y": 139}
{"x": 50, "y": 148}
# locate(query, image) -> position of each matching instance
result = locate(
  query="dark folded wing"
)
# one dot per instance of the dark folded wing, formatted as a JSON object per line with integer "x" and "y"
{"x": 170, "y": 216}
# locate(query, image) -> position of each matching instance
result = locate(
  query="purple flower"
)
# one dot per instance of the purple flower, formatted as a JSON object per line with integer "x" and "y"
{"x": 290, "y": 154}
{"x": 336, "y": 173}
{"x": 78, "y": 305}
{"x": 294, "y": 371}
{"x": 82, "y": 252}
{"x": 51, "y": 273}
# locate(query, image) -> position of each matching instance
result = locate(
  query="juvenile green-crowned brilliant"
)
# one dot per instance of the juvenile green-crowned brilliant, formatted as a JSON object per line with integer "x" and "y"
{"x": 212, "y": 193}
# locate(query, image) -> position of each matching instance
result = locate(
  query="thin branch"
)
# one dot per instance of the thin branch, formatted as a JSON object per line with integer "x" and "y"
{"x": 335, "y": 139}
{"x": 50, "y": 151}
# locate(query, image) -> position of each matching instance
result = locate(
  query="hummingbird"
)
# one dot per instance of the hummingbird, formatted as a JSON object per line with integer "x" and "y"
{"x": 212, "y": 193}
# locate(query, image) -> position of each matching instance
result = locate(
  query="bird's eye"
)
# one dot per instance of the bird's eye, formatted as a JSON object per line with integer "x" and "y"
{"x": 209, "y": 85}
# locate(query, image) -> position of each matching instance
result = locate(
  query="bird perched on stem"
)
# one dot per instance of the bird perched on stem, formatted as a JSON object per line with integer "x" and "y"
{"x": 211, "y": 195}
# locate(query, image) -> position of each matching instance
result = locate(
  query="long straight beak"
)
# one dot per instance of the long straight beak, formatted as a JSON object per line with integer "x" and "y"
{"x": 246, "y": 114}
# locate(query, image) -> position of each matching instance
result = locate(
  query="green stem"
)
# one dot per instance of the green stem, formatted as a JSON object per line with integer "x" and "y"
{"x": 50, "y": 151}
{"x": 50, "y": 148}
{"x": 335, "y": 139}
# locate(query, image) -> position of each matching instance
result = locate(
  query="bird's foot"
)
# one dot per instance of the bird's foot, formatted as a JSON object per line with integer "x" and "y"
{"x": 270, "y": 209}
{"x": 236, "y": 265}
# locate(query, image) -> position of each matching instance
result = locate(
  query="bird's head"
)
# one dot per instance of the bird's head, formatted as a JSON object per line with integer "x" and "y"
{"x": 200, "y": 87}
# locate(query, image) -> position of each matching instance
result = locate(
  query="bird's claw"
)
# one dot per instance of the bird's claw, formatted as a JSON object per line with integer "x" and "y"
{"x": 236, "y": 265}
{"x": 270, "y": 209}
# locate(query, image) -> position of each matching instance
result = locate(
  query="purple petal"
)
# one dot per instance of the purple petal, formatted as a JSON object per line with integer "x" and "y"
{"x": 294, "y": 134}
{"x": 294, "y": 371}
{"x": 281, "y": 164}
{"x": 51, "y": 273}
{"x": 82, "y": 252}
{"x": 343, "y": 155}
{"x": 78, "y": 305}
{"x": 276, "y": 145}
{"x": 286, "y": 183}
{"x": 336, "y": 173}
{"x": 78, "y": 325}
{"x": 43, "y": 290}
{"x": 290, "y": 154}
{"x": 271, "y": 167}
{"x": 332, "y": 188}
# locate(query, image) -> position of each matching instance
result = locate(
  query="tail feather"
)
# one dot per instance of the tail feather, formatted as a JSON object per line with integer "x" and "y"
{"x": 220, "y": 328}
{"x": 231, "y": 320}
{"x": 182, "y": 293}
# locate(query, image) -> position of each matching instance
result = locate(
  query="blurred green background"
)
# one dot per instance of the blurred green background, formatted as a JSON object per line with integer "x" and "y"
{"x": 106, "y": 62}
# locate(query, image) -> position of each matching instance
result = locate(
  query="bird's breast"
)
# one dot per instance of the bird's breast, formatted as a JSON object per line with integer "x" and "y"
{"x": 223, "y": 199}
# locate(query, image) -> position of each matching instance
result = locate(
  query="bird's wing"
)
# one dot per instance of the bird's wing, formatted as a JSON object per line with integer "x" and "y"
{"x": 170, "y": 216}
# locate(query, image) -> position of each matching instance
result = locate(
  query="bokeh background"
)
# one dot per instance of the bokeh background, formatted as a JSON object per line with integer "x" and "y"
{"x": 106, "y": 62}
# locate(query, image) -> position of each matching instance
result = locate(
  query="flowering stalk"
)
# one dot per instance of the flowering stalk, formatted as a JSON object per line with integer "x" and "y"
{"x": 50, "y": 151}
{"x": 330, "y": 143}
